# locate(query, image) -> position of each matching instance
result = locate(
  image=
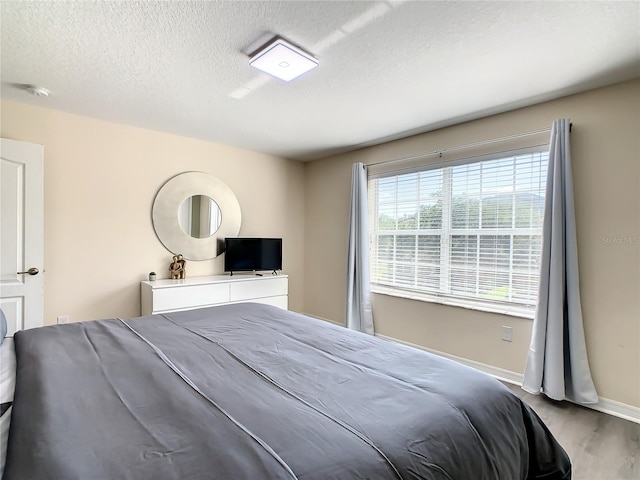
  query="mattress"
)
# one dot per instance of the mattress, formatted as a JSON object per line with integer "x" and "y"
{"x": 250, "y": 391}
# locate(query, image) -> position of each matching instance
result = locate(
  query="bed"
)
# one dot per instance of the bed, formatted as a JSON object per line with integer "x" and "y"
{"x": 250, "y": 391}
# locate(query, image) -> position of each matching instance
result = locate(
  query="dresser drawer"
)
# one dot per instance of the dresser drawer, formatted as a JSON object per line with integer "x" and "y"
{"x": 165, "y": 299}
{"x": 252, "y": 289}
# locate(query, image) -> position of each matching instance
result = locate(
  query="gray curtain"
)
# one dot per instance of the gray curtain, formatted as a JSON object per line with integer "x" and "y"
{"x": 358, "y": 315}
{"x": 557, "y": 363}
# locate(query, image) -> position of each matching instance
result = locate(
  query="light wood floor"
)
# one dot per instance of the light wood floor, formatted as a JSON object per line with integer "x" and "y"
{"x": 601, "y": 447}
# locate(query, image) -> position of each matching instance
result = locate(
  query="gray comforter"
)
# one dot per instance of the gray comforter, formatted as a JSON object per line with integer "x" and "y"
{"x": 255, "y": 392}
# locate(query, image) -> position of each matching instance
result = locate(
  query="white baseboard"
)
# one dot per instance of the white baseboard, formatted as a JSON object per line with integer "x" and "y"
{"x": 604, "y": 405}
{"x": 617, "y": 409}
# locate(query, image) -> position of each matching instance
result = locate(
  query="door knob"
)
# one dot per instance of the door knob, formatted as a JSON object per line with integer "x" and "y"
{"x": 31, "y": 271}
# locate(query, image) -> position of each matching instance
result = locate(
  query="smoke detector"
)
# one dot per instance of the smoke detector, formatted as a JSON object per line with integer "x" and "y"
{"x": 37, "y": 91}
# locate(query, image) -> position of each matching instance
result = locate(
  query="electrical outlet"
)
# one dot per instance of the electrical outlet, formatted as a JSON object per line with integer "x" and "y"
{"x": 507, "y": 333}
{"x": 63, "y": 319}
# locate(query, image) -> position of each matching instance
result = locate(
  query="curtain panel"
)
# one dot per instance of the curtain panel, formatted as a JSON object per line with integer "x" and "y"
{"x": 557, "y": 363}
{"x": 359, "y": 315}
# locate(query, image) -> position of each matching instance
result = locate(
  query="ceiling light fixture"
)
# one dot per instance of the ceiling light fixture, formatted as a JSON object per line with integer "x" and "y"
{"x": 282, "y": 60}
{"x": 37, "y": 91}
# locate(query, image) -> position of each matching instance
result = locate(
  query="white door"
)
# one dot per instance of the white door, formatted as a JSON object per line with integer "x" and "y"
{"x": 21, "y": 234}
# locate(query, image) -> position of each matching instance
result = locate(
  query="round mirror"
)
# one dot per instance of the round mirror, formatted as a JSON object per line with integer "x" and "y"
{"x": 199, "y": 216}
{"x": 193, "y": 213}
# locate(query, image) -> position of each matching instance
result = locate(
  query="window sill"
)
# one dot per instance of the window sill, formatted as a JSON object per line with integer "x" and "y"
{"x": 510, "y": 310}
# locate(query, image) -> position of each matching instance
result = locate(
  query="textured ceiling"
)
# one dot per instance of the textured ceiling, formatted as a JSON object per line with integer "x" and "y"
{"x": 387, "y": 69}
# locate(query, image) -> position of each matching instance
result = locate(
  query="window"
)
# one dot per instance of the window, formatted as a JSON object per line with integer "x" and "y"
{"x": 469, "y": 231}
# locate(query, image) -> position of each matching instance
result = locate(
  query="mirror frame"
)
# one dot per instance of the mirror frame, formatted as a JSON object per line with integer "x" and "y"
{"x": 165, "y": 215}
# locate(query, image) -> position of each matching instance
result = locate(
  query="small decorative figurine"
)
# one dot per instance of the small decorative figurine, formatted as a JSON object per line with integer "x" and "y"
{"x": 178, "y": 267}
{"x": 183, "y": 266}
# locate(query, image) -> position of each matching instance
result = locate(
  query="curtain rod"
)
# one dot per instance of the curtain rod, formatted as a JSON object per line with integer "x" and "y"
{"x": 463, "y": 147}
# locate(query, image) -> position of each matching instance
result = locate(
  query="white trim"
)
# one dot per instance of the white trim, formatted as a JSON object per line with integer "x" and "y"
{"x": 604, "y": 405}
{"x": 617, "y": 409}
{"x": 511, "y": 309}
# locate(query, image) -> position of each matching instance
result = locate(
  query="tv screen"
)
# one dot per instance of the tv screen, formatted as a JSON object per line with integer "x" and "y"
{"x": 252, "y": 254}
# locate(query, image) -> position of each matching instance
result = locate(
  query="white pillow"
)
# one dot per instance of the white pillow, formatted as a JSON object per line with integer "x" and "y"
{"x": 3, "y": 326}
{"x": 7, "y": 370}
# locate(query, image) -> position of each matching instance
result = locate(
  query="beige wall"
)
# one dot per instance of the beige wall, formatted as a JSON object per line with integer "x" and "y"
{"x": 606, "y": 169}
{"x": 100, "y": 182}
{"x": 101, "y": 178}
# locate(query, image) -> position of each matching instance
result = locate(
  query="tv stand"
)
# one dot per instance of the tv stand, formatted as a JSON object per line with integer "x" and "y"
{"x": 194, "y": 292}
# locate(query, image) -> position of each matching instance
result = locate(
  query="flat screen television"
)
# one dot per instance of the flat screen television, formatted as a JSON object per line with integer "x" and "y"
{"x": 252, "y": 254}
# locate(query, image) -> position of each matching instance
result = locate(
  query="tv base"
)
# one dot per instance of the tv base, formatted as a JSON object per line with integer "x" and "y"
{"x": 257, "y": 274}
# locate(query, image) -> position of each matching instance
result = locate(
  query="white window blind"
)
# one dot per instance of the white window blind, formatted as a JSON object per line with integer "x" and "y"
{"x": 470, "y": 230}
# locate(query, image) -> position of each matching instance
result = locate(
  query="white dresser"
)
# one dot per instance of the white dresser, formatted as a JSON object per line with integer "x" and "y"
{"x": 162, "y": 296}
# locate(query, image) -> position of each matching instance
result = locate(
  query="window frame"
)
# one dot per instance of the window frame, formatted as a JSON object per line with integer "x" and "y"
{"x": 446, "y": 231}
